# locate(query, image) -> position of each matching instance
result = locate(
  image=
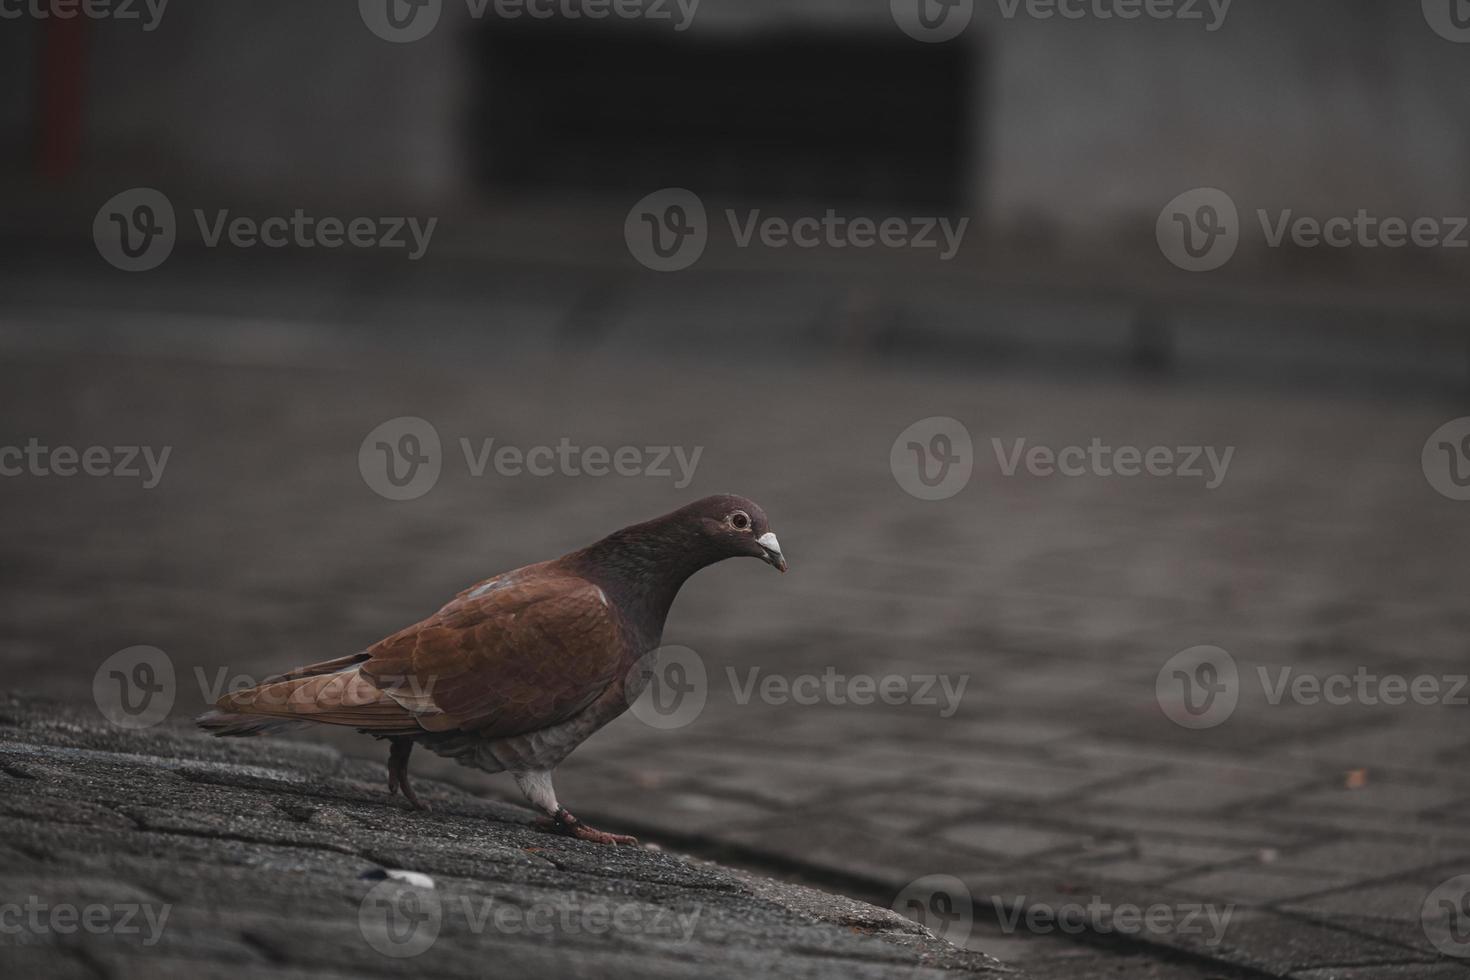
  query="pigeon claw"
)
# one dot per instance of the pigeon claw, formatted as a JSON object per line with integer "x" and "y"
{"x": 398, "y": 774}
{"x": 566, "y": 825}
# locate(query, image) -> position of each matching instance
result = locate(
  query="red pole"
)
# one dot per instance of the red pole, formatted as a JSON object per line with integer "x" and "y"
{"x": 60, "y": 96}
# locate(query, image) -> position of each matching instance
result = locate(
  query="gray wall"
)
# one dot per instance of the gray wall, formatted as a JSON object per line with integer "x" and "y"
{"x": 1317, "y": 105}
{"x": 1321, "y": 105}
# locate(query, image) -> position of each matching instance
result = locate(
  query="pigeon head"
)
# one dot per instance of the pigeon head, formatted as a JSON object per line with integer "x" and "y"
{"x": 734, "y": 527}
{"x": 642, "y": 567}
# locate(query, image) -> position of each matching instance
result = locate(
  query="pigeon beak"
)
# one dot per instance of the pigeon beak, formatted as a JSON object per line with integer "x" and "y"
{"x": 772, "y": 549}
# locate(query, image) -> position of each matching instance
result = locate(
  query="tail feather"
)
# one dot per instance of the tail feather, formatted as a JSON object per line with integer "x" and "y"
{"x": 335, "y": 692}
{"x": 227, "y": 725}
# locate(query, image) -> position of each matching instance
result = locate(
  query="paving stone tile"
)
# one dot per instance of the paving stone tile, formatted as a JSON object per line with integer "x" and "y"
{"x": 1406, "y": 933}
{"x": 903, "y": 811}
{"x": 989, "y": 779}
{"x": 1127, "y": 869}
{"x": 1281, "y": 946}
{"x": 1399, "y": 901}
{"x": 1370, "y": 858}
{"x": 1255, "y": 886}
{"x": 680, "y": 812}
{"x": 1196, "y": 792}
{"x": 1393, "y": 797}
{"x": 1137, "y": 824}
{"x": 1004, "y": 838}
{"x": 854, "y": 849}
{"x": 1387, "y": 746}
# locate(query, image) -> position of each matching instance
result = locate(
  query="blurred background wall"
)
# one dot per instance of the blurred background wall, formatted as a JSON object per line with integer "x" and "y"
{"x": 1324, "y": 105}
{"x": 1061, "y": 138}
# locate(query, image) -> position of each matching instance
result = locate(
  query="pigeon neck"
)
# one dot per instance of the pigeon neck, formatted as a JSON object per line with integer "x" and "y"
{"x": 642, "y": 568}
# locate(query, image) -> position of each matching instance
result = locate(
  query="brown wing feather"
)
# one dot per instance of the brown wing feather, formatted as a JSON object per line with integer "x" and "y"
{"x": 513, "y": 655}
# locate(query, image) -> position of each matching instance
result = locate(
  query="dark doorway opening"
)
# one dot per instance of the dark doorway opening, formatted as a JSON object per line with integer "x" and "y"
{"x": 834, "y": 116}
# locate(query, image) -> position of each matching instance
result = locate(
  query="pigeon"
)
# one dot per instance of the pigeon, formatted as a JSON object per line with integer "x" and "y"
{"x": 517, "y": 670}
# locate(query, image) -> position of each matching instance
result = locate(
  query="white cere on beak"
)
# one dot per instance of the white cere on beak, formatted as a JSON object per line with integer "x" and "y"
{"x": 772, "y": 548}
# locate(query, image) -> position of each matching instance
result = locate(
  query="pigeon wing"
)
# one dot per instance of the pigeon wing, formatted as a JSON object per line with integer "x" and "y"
{"x": 512, "y": 655}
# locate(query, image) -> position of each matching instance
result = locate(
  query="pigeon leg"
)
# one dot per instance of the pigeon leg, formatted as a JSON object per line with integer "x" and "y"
{"x": 398, "y": 772}
{"x": 536, "y": 784}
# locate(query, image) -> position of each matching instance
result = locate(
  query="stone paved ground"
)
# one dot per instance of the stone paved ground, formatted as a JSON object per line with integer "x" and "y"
{"x": 167, "y": 853}
{"x": 1056, "y": 787}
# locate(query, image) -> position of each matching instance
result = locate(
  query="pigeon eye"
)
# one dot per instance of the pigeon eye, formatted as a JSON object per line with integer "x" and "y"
{"x": 740, "y": 520}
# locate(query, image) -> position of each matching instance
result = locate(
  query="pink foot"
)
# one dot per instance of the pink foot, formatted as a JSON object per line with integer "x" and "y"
{"x": 569, "y": 826}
